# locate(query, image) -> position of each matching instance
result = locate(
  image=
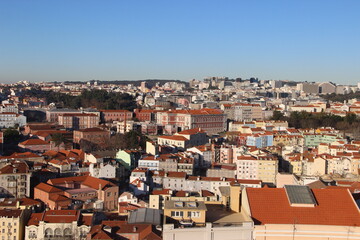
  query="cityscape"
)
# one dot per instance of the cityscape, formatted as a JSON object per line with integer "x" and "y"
{"x": 182, "y": 120}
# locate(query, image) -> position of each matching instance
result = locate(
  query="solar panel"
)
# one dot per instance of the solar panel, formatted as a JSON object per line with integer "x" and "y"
{"x": 300, "y": 194}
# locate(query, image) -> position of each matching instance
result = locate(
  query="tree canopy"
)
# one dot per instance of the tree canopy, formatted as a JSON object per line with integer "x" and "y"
{"x": 100, "y": 99}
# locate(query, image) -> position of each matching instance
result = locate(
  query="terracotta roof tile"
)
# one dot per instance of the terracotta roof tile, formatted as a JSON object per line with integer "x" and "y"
{"x": 334, "y": 207}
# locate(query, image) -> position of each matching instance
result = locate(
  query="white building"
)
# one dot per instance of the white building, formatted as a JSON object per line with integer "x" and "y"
{"x": 102, "y": 170}
{"x": 10, "y": 119}
{"x": 58, "y": 224}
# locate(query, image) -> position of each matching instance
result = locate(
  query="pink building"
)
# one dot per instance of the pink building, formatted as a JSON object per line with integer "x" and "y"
{"x": 115, "y": 115}
{"x": 213, "y": 121}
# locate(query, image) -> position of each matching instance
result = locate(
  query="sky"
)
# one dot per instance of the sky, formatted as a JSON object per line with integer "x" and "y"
{"x": 81, "y": 40}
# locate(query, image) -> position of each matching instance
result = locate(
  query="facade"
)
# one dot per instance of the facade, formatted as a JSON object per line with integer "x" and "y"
{"x": 247, "y": 112}
{"x": 184, "y": 139}
{"x": 192, "y": 213}
{"x": 115, "y": 115}
{"x": 12, "y": 223}
{"x": 78, "y": 120}
{"x": 243, "y": 231}
{"x": 52, "y": 115}
{"x": 128, "y": 158}
{"x": 15, "y": 180}
{"x": 10, "y": 119}
{"x": 212, "y": 121}
{"x": 9, "y": 108}
{"x": 263, "y": 168}
{"x": 145, "y": 115}
{"x": 58, "y": 224}
{"x": 102, "y": 170}
{"x": 93, "y": 135}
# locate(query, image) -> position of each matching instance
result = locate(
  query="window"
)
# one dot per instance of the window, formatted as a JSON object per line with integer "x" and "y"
{"x": 177, "y": 214}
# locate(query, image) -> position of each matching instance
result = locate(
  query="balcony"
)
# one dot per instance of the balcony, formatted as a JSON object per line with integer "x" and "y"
{"x": 58, "y": 237}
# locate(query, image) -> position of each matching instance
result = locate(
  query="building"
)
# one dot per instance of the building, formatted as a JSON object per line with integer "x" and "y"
{"x": 128, "y": 158}
{"x": 186, "y": 213}
{"x": 115, "y": 115}
{"x": 11, "y": 119}
{"x": 145, "y": 115}
{"x": 34, "y": 145}
{"x": 101, "y": 170}
{"x": 15, "y": 180}
{"x": 310, "y": 88}
{"x": 212, "y": 121}
{"x": 118, "y": 230}
{"x": 185, "y": 139}
{"x": 222, "y": 170}
{"x": 100, "y": 193}
{"x": 93, "y": 135}
{"x": 12, "y": 223}
{"x": 296, "y": 212}
{"x": 247, "y": 112}
{"x": 52, "y": 115}
{"x": 9, "y": 108}
{"x": 58, "y": 224}
{"x": 259, "y": 167}
{"x": 76, "y": 121}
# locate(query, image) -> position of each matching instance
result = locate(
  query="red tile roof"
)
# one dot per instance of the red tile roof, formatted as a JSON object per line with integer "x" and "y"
{"x": 34, "y": 142}
{"x": 176, "y": 138}
{"x": 334, "y": 207}
{"x": 15, "y": 167}
{"x": 191, "y": 131}
{"x": 47, "y": 188}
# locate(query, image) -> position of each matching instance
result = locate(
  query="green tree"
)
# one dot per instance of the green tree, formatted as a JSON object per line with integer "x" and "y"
{"x": 58, "y": 139}
{"x": 11, "y": 136}
{"x": 277, "y": 115}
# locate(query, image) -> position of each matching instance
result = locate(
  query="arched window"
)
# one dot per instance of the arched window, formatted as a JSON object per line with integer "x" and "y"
{"x": 67, "y": 232}
{"x": 32, "y": 234}
{"x": 58, "y": 232}
{"x": 48, "y": 232}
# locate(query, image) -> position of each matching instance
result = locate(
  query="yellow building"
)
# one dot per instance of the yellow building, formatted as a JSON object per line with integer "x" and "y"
{"x": 267, "y": 168}
{"x": 186, "y": 213}
{"x": 12, "y": 223}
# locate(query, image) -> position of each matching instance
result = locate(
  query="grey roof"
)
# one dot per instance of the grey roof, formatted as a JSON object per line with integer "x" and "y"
{"x": 300, "y": 194}
{"x": 145, "y": 215}
{"x": 185, "y": 205}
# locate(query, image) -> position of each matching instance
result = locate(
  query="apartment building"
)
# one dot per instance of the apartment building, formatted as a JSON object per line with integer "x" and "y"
{"x": 15, "y": 180}
{"x": 78, "y": 120}
{"x": 52, "y": 115}
{"x": 212, "y": 121}
{"x": 187, "y": 213}
{"x": 247, "y": 112}
{"x": 115, "y": 115}
{"x": 185, "y": 139}
{"x": 10, "y": 119}
{"x": 259, "y": 167}
{"x": 12, "y": 223}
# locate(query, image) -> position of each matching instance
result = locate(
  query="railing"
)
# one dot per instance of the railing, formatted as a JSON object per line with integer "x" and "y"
{"x": 58, "y": 237}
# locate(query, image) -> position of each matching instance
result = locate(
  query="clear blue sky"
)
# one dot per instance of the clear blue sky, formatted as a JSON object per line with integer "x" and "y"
{"x": 301, "y": 40}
